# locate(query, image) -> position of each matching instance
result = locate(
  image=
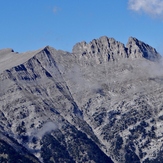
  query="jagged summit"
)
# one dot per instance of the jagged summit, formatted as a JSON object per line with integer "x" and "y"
{"x": 101, "y": 50}
{"x": 138, "y": 49}
{"x": 108, "y": 49}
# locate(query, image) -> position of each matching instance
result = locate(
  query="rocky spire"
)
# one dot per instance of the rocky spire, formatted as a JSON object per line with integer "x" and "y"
{"x": 138, "y": 49}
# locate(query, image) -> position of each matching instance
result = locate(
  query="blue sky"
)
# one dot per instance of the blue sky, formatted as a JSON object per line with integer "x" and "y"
{"x": 33, "y": 24}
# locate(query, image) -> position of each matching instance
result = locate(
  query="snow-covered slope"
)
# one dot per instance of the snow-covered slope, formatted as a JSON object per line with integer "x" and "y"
{"x": 102, "y": 100}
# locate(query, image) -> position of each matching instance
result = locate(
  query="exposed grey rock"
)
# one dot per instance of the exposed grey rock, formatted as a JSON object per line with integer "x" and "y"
{"x": 9, "y": 58}
{"x": 108, "y": 49}
{"x": 138, "y": 49}
{"x": 101, "y": 50}
{"x": 103, "y": 100}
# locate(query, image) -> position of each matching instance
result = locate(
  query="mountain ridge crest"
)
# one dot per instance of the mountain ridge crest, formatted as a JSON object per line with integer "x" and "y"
{"x": 112, "y": 50}
{"x": 97, "y": 51}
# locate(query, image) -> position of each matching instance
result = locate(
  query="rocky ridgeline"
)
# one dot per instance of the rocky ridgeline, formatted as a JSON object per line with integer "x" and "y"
{"x": 102, "y": 102}
{"x": 108, "y": 49}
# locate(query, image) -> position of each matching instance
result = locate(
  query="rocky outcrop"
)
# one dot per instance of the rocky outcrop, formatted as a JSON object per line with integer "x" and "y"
{"x": 101, "y": 50}
{"x": 138, "y": 49}
{"x": 108, "y": 49}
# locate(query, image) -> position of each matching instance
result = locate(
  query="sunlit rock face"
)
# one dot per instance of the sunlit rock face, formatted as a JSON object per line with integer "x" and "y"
{"x": 100, "y": 103}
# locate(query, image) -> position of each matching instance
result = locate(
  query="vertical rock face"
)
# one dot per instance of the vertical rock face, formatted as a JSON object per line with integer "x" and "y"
{"x": 108, "y": 49}
{"x": 102, "y": 102}
{"x": 138, "y": 49}
{"x": 101, "y": 50}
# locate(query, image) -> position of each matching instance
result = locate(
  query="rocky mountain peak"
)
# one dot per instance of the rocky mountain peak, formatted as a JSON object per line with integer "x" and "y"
{"x": 101, "y": 50}
{"x": 108, "y": 49}
{"x": 138, "y": 49}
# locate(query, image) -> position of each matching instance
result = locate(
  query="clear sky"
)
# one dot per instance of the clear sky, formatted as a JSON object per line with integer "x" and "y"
{"x": 33, "y": 24}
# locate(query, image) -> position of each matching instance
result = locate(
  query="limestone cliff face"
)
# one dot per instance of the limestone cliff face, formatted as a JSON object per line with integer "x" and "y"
{"x": 108, "y": 49}
{"x": 138, "y": 49}
{"x": 101, "y": 50}
{"x": 102, "y": 102}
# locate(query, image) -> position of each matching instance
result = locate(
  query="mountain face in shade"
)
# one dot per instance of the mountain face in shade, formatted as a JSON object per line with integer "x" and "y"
{"x": 101, "y": 103}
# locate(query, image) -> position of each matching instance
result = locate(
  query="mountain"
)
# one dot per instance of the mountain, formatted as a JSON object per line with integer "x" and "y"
{"x": 101, "y": 103}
